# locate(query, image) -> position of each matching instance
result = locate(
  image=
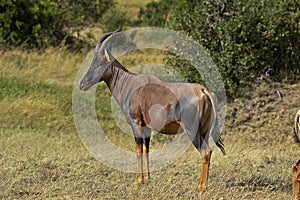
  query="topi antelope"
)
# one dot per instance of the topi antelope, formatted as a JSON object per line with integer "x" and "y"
{"x": 297, "y": 126}
{"x": 149, "y": 103}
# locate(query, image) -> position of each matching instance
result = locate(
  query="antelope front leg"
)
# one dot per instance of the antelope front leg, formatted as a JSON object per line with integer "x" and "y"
{"x": 146, "y": 143}
{"x": 139, "y": 152}
{"x": 137, "y": 131}
{"x": 204, "y": 174}
{"x": 142, "y": 140}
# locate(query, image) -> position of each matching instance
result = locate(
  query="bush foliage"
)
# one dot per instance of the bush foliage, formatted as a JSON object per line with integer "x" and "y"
{"x": 246, "y": 39}
{"x": 113, "y": 19}
{"x": 42, "y": 23}
{"x": 157, "y": 13}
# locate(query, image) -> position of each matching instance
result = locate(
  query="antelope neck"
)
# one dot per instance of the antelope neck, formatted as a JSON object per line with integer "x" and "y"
{"x": 116, "y": 78}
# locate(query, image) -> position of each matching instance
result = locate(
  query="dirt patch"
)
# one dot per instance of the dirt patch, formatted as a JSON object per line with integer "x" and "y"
{"x": 267, "y": 103}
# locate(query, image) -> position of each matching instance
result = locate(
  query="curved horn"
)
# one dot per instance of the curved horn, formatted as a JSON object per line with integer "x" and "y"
{"x": 105, "y": 42}
{"x": 102, "y": 39}
{"x": 107, "y": 55}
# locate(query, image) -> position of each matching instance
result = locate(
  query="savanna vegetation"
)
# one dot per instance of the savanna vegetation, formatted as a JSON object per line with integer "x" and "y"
{"x": 43, "y": 44}
{"x": 246, "y": 39}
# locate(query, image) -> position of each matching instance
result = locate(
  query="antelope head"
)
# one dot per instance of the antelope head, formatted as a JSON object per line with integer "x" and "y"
{"x": 101, "y": 60}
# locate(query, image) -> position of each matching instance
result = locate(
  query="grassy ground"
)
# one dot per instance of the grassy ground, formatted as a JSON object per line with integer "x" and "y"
{"x": 132, "y": 8}
{"x": 41, "y": 155}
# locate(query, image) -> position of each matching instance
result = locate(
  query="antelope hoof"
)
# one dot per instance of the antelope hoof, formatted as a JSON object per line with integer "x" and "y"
{"x": 146, "y": 182}
{"x": 200, "y": 187}
{"x": 137, "y": 185}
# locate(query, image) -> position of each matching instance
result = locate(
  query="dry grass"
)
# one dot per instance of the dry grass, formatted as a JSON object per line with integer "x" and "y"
{"x": 132, "y": 8}
{"x": 55, "y": 66}
{"x": 42, "y": 157}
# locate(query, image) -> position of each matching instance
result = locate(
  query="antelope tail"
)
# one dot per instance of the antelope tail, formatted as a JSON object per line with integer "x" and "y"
{"x": 214, "y": 128}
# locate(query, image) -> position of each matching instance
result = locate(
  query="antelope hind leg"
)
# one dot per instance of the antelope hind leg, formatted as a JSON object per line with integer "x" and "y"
{"x": 146, "y": 144}
{"x": 205, "y": 171}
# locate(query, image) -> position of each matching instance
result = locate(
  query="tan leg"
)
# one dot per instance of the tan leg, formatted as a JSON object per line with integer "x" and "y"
{"x": 142, "y": 151}
{"x": 296, "y": 180}
{"x": 146, "y": 162}
{"x": 204, "y": 174}
{"x": 137, "y": 129}
{"x": 139, "y": 151}
{"x": 146, "y": 145}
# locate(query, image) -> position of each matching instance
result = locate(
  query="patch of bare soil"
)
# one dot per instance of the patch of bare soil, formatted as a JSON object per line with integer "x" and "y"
{"x": 269, "y": 106}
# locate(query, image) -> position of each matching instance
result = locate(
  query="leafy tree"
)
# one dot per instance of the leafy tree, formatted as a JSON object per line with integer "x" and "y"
{"x": 157, "y": 12}
{"x": 78, "y": 13}
{"x": 42, "y": 23}
{"x": 33, "y": 22}
{"x": 245, "y": 38}
{"x": 113, "y": 19}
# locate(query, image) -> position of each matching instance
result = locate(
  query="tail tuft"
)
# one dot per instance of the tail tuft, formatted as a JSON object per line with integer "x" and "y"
{"x": 221, "y": 146}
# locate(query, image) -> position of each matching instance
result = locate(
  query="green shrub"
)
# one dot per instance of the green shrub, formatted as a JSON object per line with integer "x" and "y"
{"x": 157, "y": 13}
{"x": 245, "y": 38}
{"x": 78, "y": 13}
{"x": 113, "y": 19}
{"x": 30, "y": 22}
{"x": 42, "y": 23}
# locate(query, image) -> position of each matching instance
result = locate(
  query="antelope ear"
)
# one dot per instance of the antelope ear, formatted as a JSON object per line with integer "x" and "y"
{"x": 106, "y": 55}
